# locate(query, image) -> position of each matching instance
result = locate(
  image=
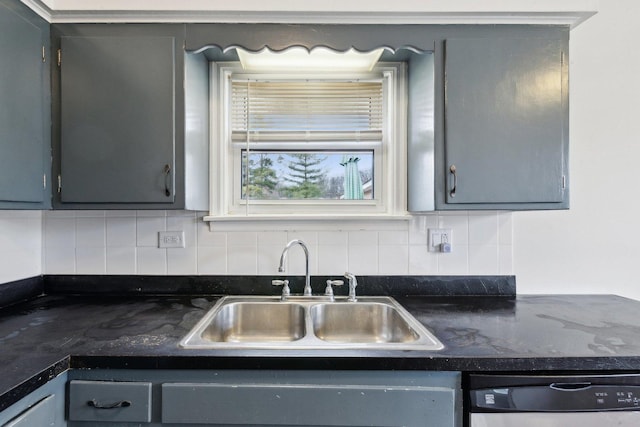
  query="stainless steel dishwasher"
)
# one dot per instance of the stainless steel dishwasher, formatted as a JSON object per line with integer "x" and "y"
{"x": 554, "y": 401}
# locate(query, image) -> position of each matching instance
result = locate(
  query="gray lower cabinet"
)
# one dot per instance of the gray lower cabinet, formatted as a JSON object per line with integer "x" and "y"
{"x": 505, "y": 123}
{"x": 121, "y": 109}
{"x": 43, "y": 407}
{"x": 24, "y": 108}
{"x": 293, "y": 398}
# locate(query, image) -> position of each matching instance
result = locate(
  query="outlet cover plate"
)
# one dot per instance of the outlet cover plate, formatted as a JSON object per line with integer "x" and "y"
{"x": 171, "y": 239}
{"x": 438, "y": 236}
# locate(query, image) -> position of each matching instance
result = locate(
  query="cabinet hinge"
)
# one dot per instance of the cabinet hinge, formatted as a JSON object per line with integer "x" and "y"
{"x": 59, "y": 57}
{"x": 44, "y": 59}
{"x": 59, "y": 184}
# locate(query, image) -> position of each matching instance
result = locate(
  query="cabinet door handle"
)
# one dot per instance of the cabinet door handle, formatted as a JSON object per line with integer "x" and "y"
{"x": 452, "y": 169}
{"x": 119, "y": 404}
{"x": 167, "y": 175}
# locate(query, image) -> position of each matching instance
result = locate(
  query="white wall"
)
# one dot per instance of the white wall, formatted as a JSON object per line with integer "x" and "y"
{"x": 20, "y": 245}
{"x": 595, "y": 246}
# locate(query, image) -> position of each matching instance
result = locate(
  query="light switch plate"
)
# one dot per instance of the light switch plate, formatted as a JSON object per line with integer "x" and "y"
{"x": 438, "y": 236}
{"x": 171, "y": 239}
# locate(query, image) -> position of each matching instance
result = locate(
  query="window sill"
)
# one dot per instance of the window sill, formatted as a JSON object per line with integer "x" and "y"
{"x": 307, "y": 222}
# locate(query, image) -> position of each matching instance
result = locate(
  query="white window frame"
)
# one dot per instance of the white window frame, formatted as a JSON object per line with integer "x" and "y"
{"x": 390, "y": 173}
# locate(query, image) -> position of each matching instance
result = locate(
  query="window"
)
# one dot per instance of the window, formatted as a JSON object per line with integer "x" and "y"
{"x": 308, "y": 145}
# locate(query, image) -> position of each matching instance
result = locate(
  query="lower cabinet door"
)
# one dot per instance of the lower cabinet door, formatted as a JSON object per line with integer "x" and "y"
{"x": 38, "y": 415}
{"x": 107, "y": 401}
{"x": 307, "y": 405}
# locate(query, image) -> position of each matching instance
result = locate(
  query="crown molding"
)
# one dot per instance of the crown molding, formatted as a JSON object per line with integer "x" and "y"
{"x": 571, "y": 18}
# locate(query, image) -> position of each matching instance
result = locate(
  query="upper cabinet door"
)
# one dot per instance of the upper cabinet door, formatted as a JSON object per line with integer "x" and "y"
{"x": 24, "y": 110}
{"x": 506, "y": 123}
{"x": 117, "y": 119}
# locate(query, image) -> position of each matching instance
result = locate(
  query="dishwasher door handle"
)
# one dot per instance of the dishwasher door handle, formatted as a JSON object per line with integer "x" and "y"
{"x": 569, "y": 386}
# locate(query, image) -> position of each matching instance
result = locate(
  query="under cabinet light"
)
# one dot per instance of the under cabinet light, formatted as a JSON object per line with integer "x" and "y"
{"x": 299, "y": 59}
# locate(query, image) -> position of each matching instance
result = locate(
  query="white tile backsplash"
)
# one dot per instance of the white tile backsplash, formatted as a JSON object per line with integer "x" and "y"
{"x": 242, "y": 260}
{"x": 91, "y": 260}
{"x": 333, "y": 238}
{"x": 482, "y": 229}
{"x": 421, "y": 261}
{"x": 60, "y": 259}
{"x": 90, "y": 232}
{"x": 59, "y": 232}
{"x": 150, "y": 260}
{"x": 505, "y": 228}
{"x": 212, "y": 260}
{"x": 121, "y": 231}
{"x": 363, "y": 259}
{"x": 363, "y": 238}
{"x": 147, "y": 228}
{"x": 393, "y": 259}
{"x": 393, "y": 238}
{"x": 125, "y": 242}
{"x": 268, "y": 259}
{"x": 333, "y": 259}
{"x": 206, "y": 237}
{"x": 182, "y": 261}
{"x": 456, "y": 262}
{"x": 121, "y": 260}
{"x": 242, "y": 238}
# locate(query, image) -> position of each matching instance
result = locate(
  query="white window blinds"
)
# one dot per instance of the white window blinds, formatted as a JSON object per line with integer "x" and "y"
{"x": 295, "y": 111}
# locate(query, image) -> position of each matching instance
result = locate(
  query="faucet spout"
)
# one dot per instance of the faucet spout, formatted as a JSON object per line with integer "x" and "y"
{"x": 283, "y": 257}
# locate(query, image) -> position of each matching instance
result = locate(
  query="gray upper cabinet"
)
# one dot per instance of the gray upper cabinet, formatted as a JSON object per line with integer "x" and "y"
{"x": 488, "y": 110}
{"x": 24, "y": 108}
{"x": 120, "y": 144}
{"x": 505, "y": 123}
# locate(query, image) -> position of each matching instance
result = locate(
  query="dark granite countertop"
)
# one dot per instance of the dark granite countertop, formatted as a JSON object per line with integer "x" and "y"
{"x": 47, "y": 335}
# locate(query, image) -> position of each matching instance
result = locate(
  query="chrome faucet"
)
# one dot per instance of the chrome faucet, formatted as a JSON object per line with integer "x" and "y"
{"x": 353, "y": 282}
{"x": 283, "y": 257}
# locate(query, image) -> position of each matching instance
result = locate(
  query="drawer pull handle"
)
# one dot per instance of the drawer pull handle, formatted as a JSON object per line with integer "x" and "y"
{"x": 120, "y": 404}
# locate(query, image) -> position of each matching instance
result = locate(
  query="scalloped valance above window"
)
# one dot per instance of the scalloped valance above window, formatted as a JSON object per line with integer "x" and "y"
{"x": 277, "y": 37}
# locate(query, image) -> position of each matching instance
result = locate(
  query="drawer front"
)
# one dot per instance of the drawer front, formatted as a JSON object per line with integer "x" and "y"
{"x": 110, "y": 401}
{"x": 313, "y": 404}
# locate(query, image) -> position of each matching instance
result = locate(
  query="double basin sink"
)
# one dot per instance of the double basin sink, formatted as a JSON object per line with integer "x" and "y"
{"x": 262, "y": 322}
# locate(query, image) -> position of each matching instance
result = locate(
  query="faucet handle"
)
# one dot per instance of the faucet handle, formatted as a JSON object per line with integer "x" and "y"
{"x": 329, "y": 290}
{"x": 286, "y": 292}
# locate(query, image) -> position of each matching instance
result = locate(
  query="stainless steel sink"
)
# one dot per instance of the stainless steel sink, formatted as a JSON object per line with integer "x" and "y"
{"x": 365, "y": 322}
{"x": 256, "y": 322}
{"x": 245, "y": 322}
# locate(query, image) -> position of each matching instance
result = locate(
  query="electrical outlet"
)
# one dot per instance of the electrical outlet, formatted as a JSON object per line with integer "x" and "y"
{"x": 440, "y": 240}
{"x": 171, "y": 239}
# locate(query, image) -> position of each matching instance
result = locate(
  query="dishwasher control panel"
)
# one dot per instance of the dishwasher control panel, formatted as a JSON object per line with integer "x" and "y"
{"x": 554, "y": 393}
{"x": 557, "y": 397}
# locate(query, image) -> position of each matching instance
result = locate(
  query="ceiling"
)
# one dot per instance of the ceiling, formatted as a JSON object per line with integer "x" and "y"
{"x": 565, "y": 12}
